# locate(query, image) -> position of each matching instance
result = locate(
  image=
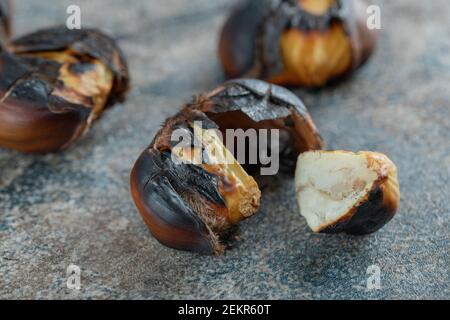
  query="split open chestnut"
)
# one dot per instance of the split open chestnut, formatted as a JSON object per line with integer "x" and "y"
{"x": 296, "y": 42}
{"x": 341, "y": 191}
{"x": 189, "y": 196}
{"x": 54, "y": 84}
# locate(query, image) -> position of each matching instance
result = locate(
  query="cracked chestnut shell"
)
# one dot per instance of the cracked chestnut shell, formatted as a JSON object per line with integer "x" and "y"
{"x": 342, "y": 191}
{"x": 195, "y": 206}
{"x": 296, "y": 42}
{"x": 54, "y": 84}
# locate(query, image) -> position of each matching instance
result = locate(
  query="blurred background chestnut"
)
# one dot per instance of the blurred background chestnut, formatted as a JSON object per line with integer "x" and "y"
{"x": 299, "y": 43}
{"x": 54, "y": 83}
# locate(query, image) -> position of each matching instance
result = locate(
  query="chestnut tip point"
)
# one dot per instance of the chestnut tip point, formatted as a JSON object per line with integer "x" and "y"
{"x": 342, "y": 191}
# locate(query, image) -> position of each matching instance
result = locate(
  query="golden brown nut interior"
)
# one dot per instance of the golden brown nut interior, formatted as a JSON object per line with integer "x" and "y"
{"x": 82, "y": 80}
{"x": 239, "y": 190}
{"x": 341, "y": 191}
{"x": 312, "y": 58}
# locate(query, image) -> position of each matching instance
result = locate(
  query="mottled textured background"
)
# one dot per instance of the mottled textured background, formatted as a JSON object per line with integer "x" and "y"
{"x": 75, "y": 207}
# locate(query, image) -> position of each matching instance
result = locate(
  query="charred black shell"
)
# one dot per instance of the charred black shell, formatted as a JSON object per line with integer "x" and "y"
{"x": 250, "y": 103}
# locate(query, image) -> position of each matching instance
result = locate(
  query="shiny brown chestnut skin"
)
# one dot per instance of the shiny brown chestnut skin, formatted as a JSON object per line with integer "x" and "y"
{"x": 307, "y": 43}
{"x": 54, "y": 84}
{"x": 186, "y": 206}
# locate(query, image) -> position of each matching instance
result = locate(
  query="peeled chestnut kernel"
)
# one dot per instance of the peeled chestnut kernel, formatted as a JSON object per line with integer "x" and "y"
{"x": 5, "y": 22}
{"x": 341, "y": 191}
{"x": 191, "y": 196}
{"x": 296, "y": 42}
{"x": 54, "y": 84}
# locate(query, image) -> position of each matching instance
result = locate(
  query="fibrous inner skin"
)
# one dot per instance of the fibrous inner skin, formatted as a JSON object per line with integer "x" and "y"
{"x": 330, "y": 184}
{"x": 239, "y": 191}
{"x": 89, "y": 87}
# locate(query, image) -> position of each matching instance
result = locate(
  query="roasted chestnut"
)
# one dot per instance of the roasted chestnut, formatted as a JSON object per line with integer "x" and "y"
{"x": 54, "y": 84}
{"x": 189, "y": 197}
{"x": 296, "y": 42}
{"x": 341, "y": 191}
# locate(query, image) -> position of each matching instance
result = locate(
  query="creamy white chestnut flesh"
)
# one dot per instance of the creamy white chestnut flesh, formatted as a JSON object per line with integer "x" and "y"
{"x": 341, "y": 191}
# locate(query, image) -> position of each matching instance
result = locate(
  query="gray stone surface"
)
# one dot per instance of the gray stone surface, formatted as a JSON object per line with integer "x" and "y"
{"x": 75, "y": 207}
